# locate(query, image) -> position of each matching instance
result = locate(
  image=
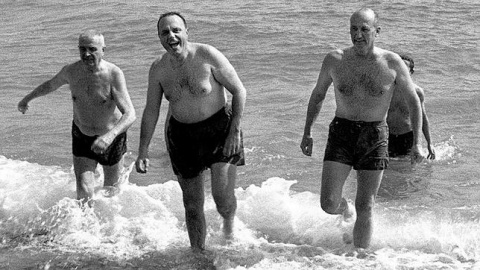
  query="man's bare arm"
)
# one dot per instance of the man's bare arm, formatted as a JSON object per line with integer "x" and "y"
{"x": 61, "y": 78}
{"x": 125, "y": 106}
{"x": 226, "y": 75}
{"x": 425, "y": 123}
{"x": 315, "y": 103}
{"x": 407, "y": 87}
{"x": 149, "y": 118}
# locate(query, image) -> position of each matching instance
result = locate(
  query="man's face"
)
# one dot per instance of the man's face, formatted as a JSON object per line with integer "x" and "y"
{"x": 408, "y": 66}
{"x": 173, "y": 34}
{"x": 363, "y": 31}
{"x": 91, "y": 50}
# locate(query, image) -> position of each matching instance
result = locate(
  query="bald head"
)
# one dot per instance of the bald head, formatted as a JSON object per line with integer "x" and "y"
{"x": 364, "y": 30}
{"x": 365, "y": 14}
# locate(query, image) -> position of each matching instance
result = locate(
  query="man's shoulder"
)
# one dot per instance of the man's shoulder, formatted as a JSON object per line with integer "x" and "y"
{"x": 387, "y": 55}
{"x": 205, "y": 53}
{"x": 70, "y": 69}
{"x": 160, "y": 60}
{"x": 72, "y": 66}
{"x": 203, "y": 47}
{"x": 109, "y": 64}
{"x": 111, "y": 67}
{"x": 419, "y": 90}
{"x": 334, "y": 56}
{"x": 337, "y": 53}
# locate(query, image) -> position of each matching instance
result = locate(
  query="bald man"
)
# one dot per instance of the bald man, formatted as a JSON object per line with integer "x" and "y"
{"x": 102, "y": 113}
{"x": 364, "y": 79}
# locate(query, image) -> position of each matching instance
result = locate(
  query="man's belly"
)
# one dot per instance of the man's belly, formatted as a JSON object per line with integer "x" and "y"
{"x": 193, "y": 113}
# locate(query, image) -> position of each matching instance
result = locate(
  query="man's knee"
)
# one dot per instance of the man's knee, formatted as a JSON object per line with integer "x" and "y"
{"x": 85, "y": 180}
{"x": 364, "y": 208}
{"x": 223, "y": 194}
{"x": 85, "y": 188}
{"x": 111, "y": 175}
{"x": 226, "y": 205}
{"x": 331, "y": 205}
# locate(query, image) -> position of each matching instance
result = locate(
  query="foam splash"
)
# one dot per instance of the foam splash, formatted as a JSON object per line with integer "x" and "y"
{"x": 282, "y": 216}
{"x": 432, "y": 231}
{"x": 25, "y": 187}
{"x": 446, "y": 151}
{"x": 276, "y": 228}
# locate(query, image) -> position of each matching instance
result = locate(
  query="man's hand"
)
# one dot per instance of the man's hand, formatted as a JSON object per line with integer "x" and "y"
{"x": 307, "y": 145}
{"x": 22, "y": 106}
{"x": 431, "y": 152}
{"x": 101, "y": 144}
{"x": 142, "y": 164}
{"x": 232, "y": 144}
{"x": 415, "y": 155}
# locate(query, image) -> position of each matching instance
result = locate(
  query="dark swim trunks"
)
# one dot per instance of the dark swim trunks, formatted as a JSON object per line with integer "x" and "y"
{"x": 363, "y": 145}
{"x": 195, "y": 147}
{"x": 81, "y": 147}
{"x": 400, "y": 145}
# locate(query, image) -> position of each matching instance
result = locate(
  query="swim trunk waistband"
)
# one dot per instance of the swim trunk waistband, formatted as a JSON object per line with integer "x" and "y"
{"x": 206, "y": 122}
{"x": 397, "y": 136}
{"x": 344, "y": 121}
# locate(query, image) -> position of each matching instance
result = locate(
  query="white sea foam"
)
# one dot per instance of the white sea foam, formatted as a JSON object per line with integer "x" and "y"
{"x": 276, "y": 228}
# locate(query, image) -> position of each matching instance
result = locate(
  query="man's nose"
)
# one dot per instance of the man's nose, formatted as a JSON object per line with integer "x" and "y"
{"x": 358, "y": 33}
{"x": 87, "y": 52}
{"x": 170, "y": 34}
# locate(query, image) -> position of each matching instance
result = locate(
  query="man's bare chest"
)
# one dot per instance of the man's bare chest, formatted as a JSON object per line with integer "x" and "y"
{"x": 91, "y": 88}
{"x": 187, "y": 82}
{"x": 364, "y": 81}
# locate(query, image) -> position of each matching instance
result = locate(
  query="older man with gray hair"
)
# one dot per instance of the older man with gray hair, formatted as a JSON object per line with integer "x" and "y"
{"x": 102, "y": 113}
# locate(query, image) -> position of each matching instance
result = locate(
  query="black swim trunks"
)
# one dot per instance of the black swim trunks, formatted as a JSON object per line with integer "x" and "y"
{"x": 81, "y": 147}
{"x": 400, "y": 145}
{"x": 363, "y": 145}
{"x": 195, "y": 147}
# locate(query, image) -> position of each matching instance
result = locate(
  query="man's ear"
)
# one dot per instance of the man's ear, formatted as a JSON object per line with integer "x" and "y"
{"x": 378, "y": 30}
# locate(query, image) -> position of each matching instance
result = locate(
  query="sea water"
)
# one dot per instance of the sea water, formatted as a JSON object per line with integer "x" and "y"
{"x": 426, "y": 217}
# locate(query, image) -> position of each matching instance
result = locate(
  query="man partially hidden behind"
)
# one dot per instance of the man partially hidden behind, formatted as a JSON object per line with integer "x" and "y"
{"x": 364, "y": 79}
{"x": 202, "y": 130}
{"x": 102, "y": 113}
{"x": 400, "y": 140}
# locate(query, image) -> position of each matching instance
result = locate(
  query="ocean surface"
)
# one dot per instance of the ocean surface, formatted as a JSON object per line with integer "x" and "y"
{"x": 426, "y": 217}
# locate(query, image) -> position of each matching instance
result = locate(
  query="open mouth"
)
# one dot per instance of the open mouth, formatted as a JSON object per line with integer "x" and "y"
{"x": 359, "y": 42}
{"x": 88, "y": 60}
{"x": 174, "y": 44}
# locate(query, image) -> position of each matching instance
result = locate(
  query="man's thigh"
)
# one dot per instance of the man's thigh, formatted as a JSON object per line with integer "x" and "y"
{"x": 334, "y": 175}
{"x": 224, "y": 177}
{"x": 112, "y": 173}
{"x": 84, "y": 167}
